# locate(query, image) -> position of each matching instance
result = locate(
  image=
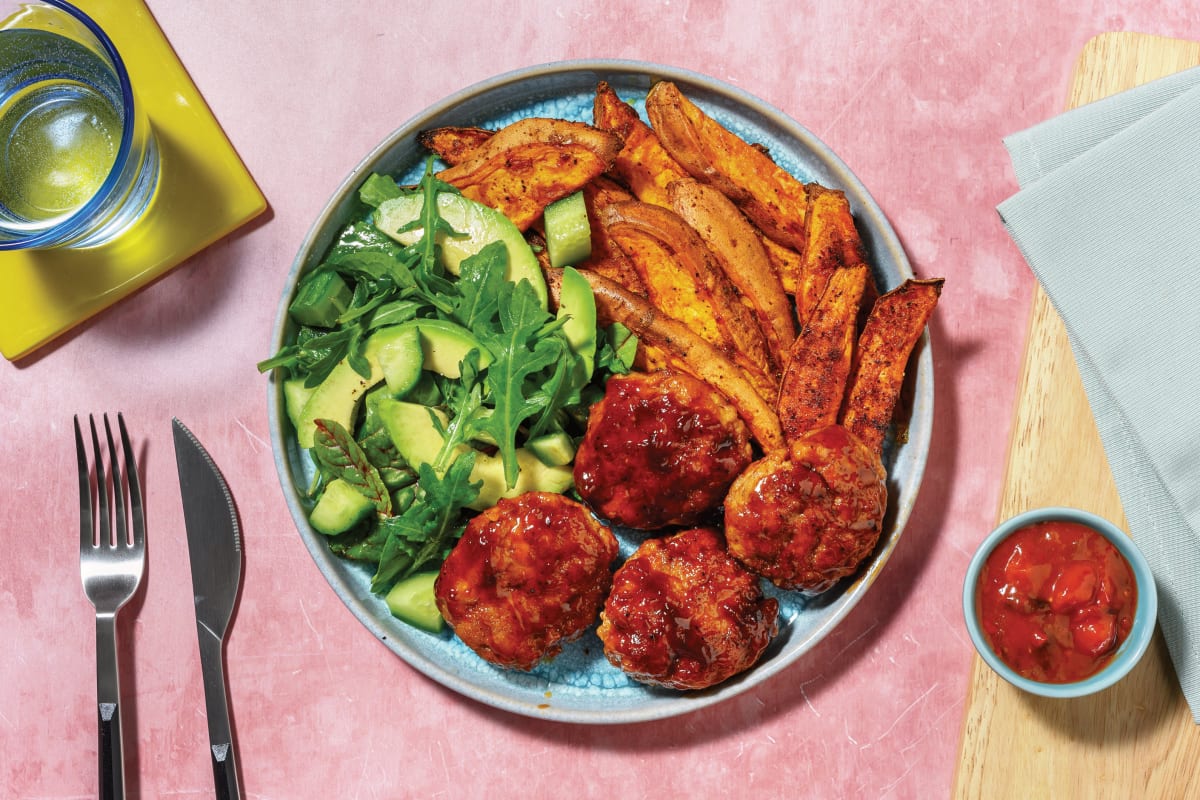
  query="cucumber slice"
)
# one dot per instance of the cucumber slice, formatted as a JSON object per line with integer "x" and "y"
{"x": 320, "y": 299}
{"x": 412, "y": 600}
{"x": 401, "y": 360}
{"x": 340, "y": 508}
{"x": 568, "y": 232}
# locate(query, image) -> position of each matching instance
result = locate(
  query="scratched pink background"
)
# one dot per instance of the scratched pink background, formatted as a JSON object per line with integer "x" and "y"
{"x": 915, "y": 96}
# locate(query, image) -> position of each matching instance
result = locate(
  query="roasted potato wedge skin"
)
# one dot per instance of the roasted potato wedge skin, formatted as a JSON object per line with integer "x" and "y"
{"x": 607, "y": 258}
{"x": 881, "y": 357}
{"x": 685, "y": 280}
{"x": 643, "y": 164}
{"x": 814, "y": 380}
{"x": 453, "y": 143}
{"x": 683, "y": 350}
{"x": 736, "y": 244}
{"x": 772, "y": 198}
{"x": 529, "y": 164}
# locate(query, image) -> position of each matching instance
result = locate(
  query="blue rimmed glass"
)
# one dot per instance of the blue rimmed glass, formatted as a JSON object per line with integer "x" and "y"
{"x": 78, "y": 160}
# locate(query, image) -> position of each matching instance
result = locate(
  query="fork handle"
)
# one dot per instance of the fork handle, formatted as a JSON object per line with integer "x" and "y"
{"x": 110, "y": 750}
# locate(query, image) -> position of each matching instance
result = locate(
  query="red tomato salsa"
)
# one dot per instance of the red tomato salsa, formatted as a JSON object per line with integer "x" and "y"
{"x": 1055, "y": 600}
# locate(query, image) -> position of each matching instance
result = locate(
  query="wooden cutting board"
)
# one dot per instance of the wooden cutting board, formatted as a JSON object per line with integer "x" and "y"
{"x": 1136, "y": 739}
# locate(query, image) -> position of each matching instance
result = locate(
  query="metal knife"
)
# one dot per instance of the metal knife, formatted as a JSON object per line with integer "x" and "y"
{"x": 215, "y": 550}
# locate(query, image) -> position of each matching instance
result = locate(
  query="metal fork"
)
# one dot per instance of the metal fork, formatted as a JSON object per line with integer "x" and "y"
{"x": 111, "y": 568}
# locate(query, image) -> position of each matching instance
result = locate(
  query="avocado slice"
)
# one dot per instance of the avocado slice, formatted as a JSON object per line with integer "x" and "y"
{"x": 419, "y": 442}
{"x": 340, "y": 508}
{"x": 445, "y": 344}
{"x": 295, "y": 395}
{"x": 553, "y": 449}
{"x": 391, "y": 353}
{"x": 412, "y": 430}
{"x": 337, "y": 396}
{"x": 477, "y": 225}
{"x": 532, "y": 476}
{"x": 577, "y": 302}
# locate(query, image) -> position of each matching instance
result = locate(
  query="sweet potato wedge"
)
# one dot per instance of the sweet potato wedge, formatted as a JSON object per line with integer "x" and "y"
{"x": 787, "y": 263}
{"x": 683, "y": 350}
{"x": 529, "y": 164}
{"x": 453, "y": 143}
{"x": 833, "y": 243}
{"x": 738, "y": 249}
{"x": 643, "y": 164}
{"x": 814, "y": 380}
{"x": 881, "y": 357}
{"x": 684, "y": 279}
{"x": 773, "y": 199}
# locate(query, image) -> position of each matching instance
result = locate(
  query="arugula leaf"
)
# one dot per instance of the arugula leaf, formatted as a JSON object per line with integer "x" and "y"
{"x": 449, "y": 494}
{"x": 618, "y": 348}
{"x": 314, "y": 354}
{"x": 556, "y": 390}
{"x": 360, "y": 543}
{"x": 480, "y": 279}
{"x": 430, "y": 274}
{"x": 402, "y": 538}
{"x": 465, "y": 420}
{"x": 328, "y": 351}
{"x": 336, "y": 450}
{"x": 394, "y": 312}
{"x": 426, "y": 531}
{"x": 518, "y": 351}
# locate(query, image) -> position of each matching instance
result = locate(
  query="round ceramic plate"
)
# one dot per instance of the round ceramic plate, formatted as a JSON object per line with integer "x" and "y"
{"x": 580, "y": 685}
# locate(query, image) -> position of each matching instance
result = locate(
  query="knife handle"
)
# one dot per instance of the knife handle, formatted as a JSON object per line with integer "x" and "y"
{"x": 220, "y": 732}
{"x": 109, "y": 750}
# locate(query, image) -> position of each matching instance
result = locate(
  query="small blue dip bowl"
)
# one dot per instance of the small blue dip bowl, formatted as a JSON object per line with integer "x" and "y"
{"x": 1128, "y": 653}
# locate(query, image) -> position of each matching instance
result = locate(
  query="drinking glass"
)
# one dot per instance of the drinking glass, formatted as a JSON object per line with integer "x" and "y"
{"x": 78, "y": 159}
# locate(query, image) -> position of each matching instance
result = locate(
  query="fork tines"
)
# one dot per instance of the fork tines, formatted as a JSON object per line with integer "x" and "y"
{"x": 97, "y": 528}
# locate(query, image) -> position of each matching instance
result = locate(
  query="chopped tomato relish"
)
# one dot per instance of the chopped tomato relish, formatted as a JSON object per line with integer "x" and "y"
{"x": 1055, "y": 600}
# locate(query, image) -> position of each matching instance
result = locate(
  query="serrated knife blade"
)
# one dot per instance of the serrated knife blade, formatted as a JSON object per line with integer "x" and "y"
{"x": 215, "y": 550}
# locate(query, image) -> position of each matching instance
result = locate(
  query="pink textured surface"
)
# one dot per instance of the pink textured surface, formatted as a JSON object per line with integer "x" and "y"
{"x": 915, "y": 97}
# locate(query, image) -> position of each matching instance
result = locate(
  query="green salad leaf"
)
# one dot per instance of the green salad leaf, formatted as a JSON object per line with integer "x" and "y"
{"x": 381, "y": 451}
{"x": 428, "y": 528}
{"x": 337, "y": 451}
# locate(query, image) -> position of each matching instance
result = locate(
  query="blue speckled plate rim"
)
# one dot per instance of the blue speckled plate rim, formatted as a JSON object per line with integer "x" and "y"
{"x": 517, "y": 692}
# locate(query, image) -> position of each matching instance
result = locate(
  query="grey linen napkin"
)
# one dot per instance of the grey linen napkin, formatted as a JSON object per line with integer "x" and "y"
{"x": 1108, "y": 219}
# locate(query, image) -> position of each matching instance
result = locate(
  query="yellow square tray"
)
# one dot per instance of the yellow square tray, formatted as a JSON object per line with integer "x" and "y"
{"x": 204, "y": 193}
